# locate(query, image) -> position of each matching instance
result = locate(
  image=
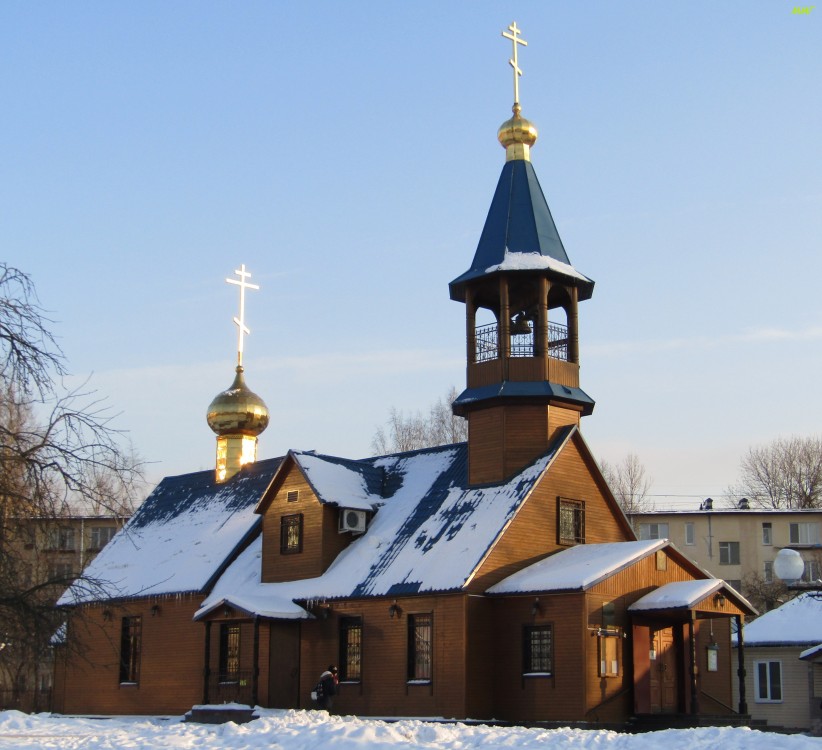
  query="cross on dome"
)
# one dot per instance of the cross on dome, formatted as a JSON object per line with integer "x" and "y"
{"x": 243, "y": 329}
{"x": 514, "y": 61}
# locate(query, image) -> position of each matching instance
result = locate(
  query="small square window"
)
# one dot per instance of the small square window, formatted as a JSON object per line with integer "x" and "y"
{"x": 571, "y": 521}
{"x": 292, "y": 496}
{"x": 291, "y": 534}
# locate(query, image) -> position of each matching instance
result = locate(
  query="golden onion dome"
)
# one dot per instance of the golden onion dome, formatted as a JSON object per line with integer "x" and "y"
{"x": 238, "y": 410}
{"x": 517, "y": 132}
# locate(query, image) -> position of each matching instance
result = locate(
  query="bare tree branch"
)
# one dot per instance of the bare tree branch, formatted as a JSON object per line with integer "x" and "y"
{"x": 629, "y": 483}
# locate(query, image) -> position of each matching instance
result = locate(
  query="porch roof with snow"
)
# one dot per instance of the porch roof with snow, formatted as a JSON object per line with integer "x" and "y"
{"x": 689, "y": 595}
{"x": 577, "y": 568}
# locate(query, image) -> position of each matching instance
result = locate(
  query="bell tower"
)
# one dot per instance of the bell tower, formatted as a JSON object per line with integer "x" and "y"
{"x": 522, "y": 327}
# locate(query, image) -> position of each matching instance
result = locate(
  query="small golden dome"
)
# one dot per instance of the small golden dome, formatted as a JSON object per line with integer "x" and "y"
{"x": 517, "y": 135}
{"x": 238, "y": 410}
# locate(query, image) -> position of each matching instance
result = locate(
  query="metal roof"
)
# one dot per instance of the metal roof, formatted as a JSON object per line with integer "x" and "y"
{"x": 519, "y": 221}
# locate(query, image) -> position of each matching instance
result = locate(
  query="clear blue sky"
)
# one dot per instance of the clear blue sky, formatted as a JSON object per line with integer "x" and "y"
{"x": 347, "y": 154}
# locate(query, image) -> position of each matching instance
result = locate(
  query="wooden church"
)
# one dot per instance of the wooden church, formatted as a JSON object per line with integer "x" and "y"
{"x": 496, "y": 578}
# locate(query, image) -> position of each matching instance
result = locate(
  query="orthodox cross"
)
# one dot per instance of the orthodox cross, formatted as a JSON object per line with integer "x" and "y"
{"x": 513, "y": 62}
{"x": 243, "y": 329}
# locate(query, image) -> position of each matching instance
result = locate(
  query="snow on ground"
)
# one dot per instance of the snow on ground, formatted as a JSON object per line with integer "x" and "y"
{"x": 314, "y": 730}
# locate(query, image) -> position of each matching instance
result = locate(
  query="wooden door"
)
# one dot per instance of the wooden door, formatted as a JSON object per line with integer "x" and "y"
{"x": 284, "y": 665}
{"x": 664, "y": 698}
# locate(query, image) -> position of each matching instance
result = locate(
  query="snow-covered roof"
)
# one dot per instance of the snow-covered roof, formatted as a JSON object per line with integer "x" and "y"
{"x": 179, "y": 539}
{"x": 813, "y": 652}
{"x": 518, "y": 261}
{"x": 240, "y": 587}
{"x": 577, "y": 568}
{"x": 796, "y": 623}
{"x": 677, "y": 594}
{"x": 431, "y": 532}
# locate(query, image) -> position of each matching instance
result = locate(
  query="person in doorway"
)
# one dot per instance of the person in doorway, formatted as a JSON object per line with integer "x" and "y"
{"x": 327, "y": 688}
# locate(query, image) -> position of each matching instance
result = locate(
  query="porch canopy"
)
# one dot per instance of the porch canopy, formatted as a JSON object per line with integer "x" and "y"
{"x": 680, "y": 604}
{"x": 680, "y": 600}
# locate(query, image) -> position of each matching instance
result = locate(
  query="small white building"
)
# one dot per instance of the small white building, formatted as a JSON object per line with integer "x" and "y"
{"x": 783, "y": 664}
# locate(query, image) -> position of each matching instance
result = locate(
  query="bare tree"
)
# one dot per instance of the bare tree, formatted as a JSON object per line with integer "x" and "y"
{"x": 412, "y": 432}
{"x": 59, "y": 455}
{"x": 765, "y": 595}
{"x": 629, "y": 482}
{"x": 785, "y": 473}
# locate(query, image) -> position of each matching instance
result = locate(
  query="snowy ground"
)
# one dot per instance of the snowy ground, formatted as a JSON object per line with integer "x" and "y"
{"x": 307, "y": 730}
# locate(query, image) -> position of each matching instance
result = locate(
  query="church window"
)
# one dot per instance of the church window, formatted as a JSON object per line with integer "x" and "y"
{"x": 571, "y": 522}
{"x": 131, "y": 636}
{"x": 420, "y": 647}
{"x": 291, "y": 534}
{"x": 538, "y": 650}
{"x": 229, "y": 652}
{"x": 350, "y": 649}
{"x": 729, "y": 553}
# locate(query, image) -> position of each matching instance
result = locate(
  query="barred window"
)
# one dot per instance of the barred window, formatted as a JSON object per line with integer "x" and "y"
{"x": 131, "y": 637}
{"x": 291, "y": 534}
{"x": 229, "y": 652}
{"x": 350, "y": 649}
{"x": 420, "y": 651}
{"x": 538, "y": 650}
{"x": 571, "y": 521}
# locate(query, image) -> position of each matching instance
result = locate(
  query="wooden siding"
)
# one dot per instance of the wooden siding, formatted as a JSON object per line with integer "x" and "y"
{"x": 504, "y": 439}
{"x": 321, "y": 542}
{"x": 560, "y": 697}
{"x": 524, "y": 369}
{"x": 171, "y": 660}
{"x": 532, "y": 534}
{"x": 384, "y": 689}
{"x": 563, "y": 373}
{"x": 485, "y": 445}
{"x": 793, "y": 711}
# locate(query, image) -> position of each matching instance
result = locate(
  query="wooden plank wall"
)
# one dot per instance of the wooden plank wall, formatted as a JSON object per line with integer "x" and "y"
{"x": 532, "y": 534}
{"x": 560, "y": 697}
{"x": 171, "y": 668}
{"x": 384, "y": 689}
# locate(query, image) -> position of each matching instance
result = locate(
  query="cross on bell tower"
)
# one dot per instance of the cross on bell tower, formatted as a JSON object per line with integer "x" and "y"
{"x": 523, "y": 359}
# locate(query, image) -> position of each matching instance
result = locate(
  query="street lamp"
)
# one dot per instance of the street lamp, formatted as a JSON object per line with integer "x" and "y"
{"x": 788, "y": 565}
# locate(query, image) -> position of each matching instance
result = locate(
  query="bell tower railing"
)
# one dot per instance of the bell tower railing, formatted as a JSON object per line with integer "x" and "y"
{"x": 486, "y": 343}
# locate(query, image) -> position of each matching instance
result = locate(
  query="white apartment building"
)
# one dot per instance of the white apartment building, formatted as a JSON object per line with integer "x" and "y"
{"x": 738, "y": 543}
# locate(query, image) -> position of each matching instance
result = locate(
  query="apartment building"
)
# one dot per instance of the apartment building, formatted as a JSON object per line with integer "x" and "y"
{"x": 738, "y": 544}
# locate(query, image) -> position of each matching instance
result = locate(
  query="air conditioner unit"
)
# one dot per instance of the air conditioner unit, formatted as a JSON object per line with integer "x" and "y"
{"x": 352, "y": 520}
